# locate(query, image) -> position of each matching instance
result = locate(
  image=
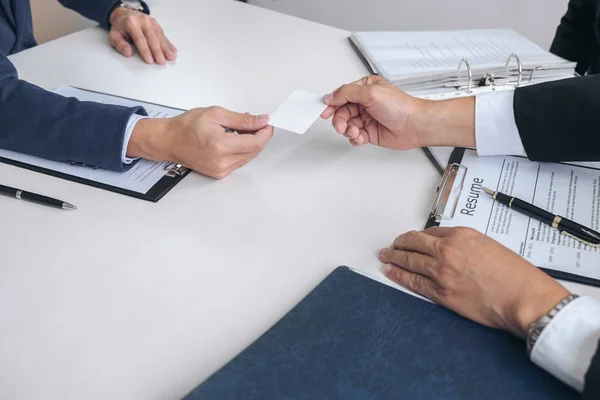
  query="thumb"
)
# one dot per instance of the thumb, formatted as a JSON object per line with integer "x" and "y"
{"x": 350, "y": 93}
{"x": 242, "y": 122}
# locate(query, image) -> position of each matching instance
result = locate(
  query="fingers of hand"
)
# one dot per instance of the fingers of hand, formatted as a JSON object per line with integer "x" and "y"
{"x": 328, "y": 113}
{"x": 411, "y": 261}
{"x": 355, "y": 128}
{"x": 237, "y": 121}
{"x": 249, "y": 143}
{"x": 118, "y": 41}
{"x": 343, "y": 115}
{"x": 168, "y": 48}
{"x": 148, "y": 37}
{"x": 359, "y": 141}
{"x": 149, "y": 30}
{"x": 415, "y": 282}
{"x": 420, "y": 242}
{"x": 349, "y": 93}
{"x": 134, "y": 30}
{"x": 353, "y": 132}
{"x": 357, "y": 92}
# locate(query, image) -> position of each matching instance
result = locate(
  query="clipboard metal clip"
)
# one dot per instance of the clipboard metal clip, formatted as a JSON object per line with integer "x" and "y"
{"x": 174, "y": 170}
{"x": 446, "y": 200}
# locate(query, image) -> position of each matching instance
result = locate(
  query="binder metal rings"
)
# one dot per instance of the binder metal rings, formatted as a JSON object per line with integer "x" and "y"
{"x": 532, "y": 72}
{"x": 469, "y": 72}
{"x": 519, "y": 66}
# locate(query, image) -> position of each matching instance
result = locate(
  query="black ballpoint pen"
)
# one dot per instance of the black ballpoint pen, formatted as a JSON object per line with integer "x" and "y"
{"x": 35, "y": 198}
{"x": 563, "y": 225}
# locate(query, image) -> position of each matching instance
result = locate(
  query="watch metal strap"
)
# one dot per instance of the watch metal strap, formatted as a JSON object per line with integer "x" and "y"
{"x": 132, "y": 5}
{"x": 536, "y": 329}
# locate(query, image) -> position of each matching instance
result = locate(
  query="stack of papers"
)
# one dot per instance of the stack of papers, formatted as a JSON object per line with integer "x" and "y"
{"x": 426, "y": 61}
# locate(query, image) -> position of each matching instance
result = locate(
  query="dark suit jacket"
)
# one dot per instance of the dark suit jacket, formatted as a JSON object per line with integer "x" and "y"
{"x": 35, "y": 121}
{"x": 560, "y": 121}
{"x": 592, "y": 378}
{"x": 578, "y": 36}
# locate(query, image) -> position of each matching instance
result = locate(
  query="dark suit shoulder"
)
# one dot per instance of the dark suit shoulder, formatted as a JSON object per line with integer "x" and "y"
{"x": 575, "y": 38}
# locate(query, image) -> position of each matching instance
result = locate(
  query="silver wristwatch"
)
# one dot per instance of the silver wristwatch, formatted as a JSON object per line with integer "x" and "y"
{"x": 132, "y": 5}
{"x": 535, "y": 330}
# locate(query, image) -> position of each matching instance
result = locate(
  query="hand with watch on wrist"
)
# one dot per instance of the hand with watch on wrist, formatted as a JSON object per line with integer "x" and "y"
{"x": 130, "y": 25}
{"x": 474, "y": 276}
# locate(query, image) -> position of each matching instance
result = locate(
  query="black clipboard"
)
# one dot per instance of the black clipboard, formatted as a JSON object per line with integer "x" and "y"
{"x": 443, "y": 208}
{"x": 174, "y": 173}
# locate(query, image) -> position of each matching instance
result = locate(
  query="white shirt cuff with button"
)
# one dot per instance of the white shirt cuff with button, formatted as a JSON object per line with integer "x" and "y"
{"x": 496, "y": 132}
{"x": 567, "y": 344}
{"x": 128, "y": 131}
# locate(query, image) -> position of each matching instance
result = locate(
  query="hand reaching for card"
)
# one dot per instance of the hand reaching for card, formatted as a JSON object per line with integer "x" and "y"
{"x": 372, "y": 110}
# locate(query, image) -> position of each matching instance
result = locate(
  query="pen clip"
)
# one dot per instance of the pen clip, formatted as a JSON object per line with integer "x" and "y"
{"x": 584, "y": 242}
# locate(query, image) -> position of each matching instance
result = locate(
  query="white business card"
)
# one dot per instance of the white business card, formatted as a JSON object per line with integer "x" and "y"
{"x": 298, "y": 112}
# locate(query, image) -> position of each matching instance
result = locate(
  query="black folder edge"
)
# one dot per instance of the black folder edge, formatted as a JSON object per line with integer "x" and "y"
{"x": 456, "y": 158}
{"x": 362, "y": 57}
{"x": 156, "y": 192}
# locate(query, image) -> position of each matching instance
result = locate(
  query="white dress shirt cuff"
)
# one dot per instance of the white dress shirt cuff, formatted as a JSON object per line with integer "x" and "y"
{"x": 496, "y": 132}
{"x": 566, "y": 346}
{"x": 128, "y": 131}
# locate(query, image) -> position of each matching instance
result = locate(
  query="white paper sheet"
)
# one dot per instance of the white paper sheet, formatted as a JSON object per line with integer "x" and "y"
{"x": 140, "y": 178}
{"x": 567, "y": 190}
{"x": 298, "y": 112}
{"x": 399, "y": 54}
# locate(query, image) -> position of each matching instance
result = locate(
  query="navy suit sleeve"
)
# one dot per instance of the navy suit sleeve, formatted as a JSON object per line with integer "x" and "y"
{"x": 592, "y": 378}
{"x": 44, "y": 124}
{"x": 97, "y": 10}
{"x": 575, "y": 38}
{"x": 560, "y": 120}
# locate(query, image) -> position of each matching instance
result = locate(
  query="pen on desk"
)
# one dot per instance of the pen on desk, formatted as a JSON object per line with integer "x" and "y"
{"x": 35, "y": 198}
{"x": 563, "y": 225}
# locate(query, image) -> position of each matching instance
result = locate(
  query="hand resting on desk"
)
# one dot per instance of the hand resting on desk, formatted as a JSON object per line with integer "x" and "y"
{"x": 129, "y": 27}
{"x": 473, "y": 275}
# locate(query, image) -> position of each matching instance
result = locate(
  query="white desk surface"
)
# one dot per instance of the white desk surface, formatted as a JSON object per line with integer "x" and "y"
{"x": 125, "y": 299}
